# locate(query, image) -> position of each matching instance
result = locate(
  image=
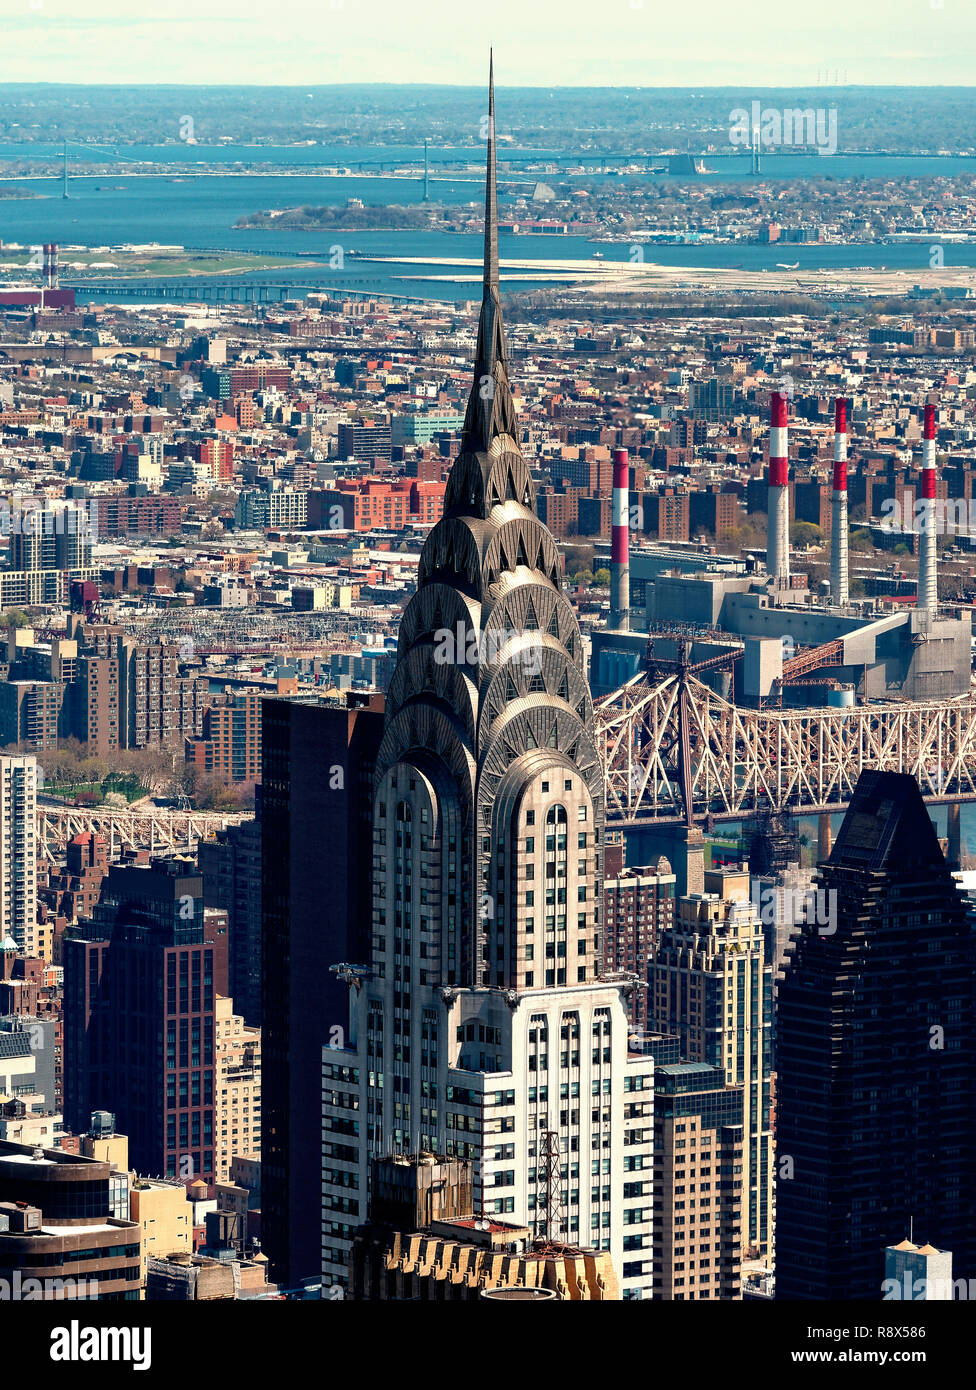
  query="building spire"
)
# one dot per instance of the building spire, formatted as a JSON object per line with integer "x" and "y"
{"x": 491, "y": 190}
{"x": 490, "y": 409}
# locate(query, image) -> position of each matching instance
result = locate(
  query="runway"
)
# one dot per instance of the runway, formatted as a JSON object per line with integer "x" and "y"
{"x": 627, "y": 277}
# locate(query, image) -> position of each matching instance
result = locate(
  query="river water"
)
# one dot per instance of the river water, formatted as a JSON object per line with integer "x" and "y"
{"x": 199, "y": 210}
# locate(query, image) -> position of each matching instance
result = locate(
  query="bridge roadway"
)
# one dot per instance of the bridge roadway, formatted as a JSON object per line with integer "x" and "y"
{"x": 158, "y": 830}
{"x": 675, "y": 752}
{"x": 226, "y": 291}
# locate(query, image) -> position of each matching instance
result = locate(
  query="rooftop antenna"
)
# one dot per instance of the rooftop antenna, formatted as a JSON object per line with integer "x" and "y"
{"x": 549, "y": 1197}
{"x": 64, "y": 185}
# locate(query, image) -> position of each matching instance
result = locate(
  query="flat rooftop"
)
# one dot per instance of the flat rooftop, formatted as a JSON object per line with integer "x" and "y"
{"x": 481, "y": 1223}
{"x": 101, "y": 1229}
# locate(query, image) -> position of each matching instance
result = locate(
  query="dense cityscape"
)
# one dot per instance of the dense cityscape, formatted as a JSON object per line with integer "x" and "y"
{"x": 343, "y": 570}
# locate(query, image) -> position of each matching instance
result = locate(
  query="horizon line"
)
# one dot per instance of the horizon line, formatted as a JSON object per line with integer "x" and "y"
{"x": 542, "y": 87}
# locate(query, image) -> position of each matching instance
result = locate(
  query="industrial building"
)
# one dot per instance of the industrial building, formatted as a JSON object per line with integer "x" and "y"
{"x": 786, "y": 644}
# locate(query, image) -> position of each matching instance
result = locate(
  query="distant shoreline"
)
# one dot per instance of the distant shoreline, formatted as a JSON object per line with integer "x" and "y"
{"x": 628, "y": 278}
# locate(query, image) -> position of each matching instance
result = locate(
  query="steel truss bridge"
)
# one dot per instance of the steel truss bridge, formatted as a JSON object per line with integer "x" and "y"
{"x": 676, "y": 752}
{"x": 159, "y": 831}
{"x": 230, "y": 291}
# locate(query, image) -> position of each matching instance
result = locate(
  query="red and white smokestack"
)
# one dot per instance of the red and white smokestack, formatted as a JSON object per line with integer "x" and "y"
{"x": 51, "y": 265}
{"x": 778, "y": 507}
{"x": 928, "y": 590}
{"x": 838, "y": 522}
{"x": 620, "y": 544}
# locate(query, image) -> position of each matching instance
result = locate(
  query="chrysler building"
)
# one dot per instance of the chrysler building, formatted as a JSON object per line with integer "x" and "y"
{"x": 483, "y": 1027}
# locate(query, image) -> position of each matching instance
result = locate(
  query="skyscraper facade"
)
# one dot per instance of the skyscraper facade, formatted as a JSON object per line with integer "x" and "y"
{"x": 230, "y": 863}
{"x": 140, "y": 981}
{"x": 698, "y": 1185}
{"x": 639, "y": 907}
{"x": 237, "y": 1088}
{"x": 315, "y": 876}
{"x": 876, "y": 1058}
{"x": 18, "y": 851}
{"x": 481, "y": 1025}
{"x": 712, "y": 986}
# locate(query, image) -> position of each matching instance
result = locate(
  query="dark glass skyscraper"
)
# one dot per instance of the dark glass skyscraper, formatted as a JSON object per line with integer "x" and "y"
{"x": 316, "y": 853}
{"x": 140, "y": 980}
{"x": 876, "y": 1057}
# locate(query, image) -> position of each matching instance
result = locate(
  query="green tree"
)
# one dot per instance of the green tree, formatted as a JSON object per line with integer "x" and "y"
{"x": 805, "y": 533}
{"x": 602, "y": 576}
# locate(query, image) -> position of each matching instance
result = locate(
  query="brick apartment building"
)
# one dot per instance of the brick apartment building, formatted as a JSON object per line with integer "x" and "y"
{"x": 140, "y": 980}
{"x": 365, "y": 441}
{"x": 667, "y": 515}
{"x": 638, "y": 907}
{"x": 230, "y": 744}
{"x": 371, "y": 504}
{"x": 149, "y": 515}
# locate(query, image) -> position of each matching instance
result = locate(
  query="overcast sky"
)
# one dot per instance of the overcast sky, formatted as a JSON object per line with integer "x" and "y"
{"x": 538, "y": 42}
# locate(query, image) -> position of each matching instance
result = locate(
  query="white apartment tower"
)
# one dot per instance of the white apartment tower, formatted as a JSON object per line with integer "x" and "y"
{"x": 18, "y": 850}
{"x": 483, "y": 1027}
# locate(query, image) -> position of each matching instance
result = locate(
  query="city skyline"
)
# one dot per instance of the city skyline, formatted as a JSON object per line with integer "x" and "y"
{"x": 489, "y": 793}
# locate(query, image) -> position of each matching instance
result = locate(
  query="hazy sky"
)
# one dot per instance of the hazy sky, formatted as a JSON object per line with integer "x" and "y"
{"x": 537, "y": 42}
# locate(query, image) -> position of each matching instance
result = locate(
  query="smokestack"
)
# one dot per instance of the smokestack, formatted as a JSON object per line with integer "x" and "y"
{"x": 778, "y": 509}
{"x": 620, "y": 545}
{"x": 838, "y": 524}
{"x": 51, "y": 265}
{"x": 928, "y": 591}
